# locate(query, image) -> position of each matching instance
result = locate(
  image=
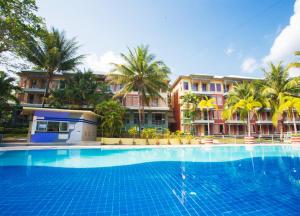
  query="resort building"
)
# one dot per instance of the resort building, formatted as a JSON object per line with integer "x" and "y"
{"x": 61, "y": 125}
{"x": 157, "y": 112}
{"x": 217, "y": 87}
{"x": 33, "y": 84}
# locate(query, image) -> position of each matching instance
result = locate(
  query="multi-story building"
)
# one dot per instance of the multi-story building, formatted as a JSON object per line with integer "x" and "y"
{"x": 215, "y": 87}
{"x": 157, "y": 112}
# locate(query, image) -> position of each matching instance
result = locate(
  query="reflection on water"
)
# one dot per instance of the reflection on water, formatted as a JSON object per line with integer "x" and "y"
{"x": 85, "y": 158}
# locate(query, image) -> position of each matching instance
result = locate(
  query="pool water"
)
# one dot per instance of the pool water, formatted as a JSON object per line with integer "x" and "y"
{"x": 217, "y": 180}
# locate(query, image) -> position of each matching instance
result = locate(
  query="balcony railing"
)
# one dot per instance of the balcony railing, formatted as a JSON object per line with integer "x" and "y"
{"x": 158, "y": 122}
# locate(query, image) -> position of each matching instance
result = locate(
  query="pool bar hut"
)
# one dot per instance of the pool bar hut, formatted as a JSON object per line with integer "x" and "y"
{"x": 61, "y": 125}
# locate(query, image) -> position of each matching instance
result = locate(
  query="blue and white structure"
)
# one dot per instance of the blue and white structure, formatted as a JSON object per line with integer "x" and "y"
{"x": 61, "y": 125}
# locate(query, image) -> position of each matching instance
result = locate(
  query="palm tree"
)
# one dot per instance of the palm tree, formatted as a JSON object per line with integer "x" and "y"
{"x": 7, "y": 92}
{"x": 142, "y": 73}
{"x": 277, "y": 84}
{"x": 53, "y": 52}
{"x": 289, "y": 105}
{"x": 208, "y": 104}
{"x": 296, "y": 64}
{"x": 243, "y": 99}
{"x": 189, "y": 101}
{"x": 81, "y": 90}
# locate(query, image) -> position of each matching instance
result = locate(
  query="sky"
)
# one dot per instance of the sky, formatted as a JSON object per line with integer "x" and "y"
{"x": 217, "y": 37}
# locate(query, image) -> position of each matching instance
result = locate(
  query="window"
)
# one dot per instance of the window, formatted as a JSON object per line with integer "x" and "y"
{"x": 135, "y": 118}
{"x": 62, "y": 84}
{"x": 204, "y": 87}
{"x": 63, "y": 126}
{"x": 195, "y": 87}
{"x": 41, "y": 126}
{"x": 218, "y": 87}
{"x": 212, "y": 87}
{"x": 185, "y": 85}
{"x": 34, "y": 84}
{"x": 154, "y": 102}
{"x": 52, "y": 126}
{"x": 219, "y": 100}
{"x": 158, "y": 118}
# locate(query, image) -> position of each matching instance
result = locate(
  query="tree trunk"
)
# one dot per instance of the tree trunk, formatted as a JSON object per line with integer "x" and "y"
{"x": 208, "y": 128}
{"x": 46, "y": 90}
{"x": 249, "y": 125}
{"x": 140, "y": 113}
{"x": 294, "y": 121}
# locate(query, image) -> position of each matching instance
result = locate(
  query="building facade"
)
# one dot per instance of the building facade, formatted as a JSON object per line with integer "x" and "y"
{"x": 157, "y": 112}
{"x": 218, "y": 87}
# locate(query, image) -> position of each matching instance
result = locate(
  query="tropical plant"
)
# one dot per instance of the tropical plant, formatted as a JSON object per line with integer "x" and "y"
{"x": 178, "y": 134}
{"x": 290, "y": 105}
{"x": 189, "y": 102}
{"x": 296, "y": 64}
{"x": 52, "y": 52}
{"x": 142, "y": 73}
{"x": 111, "y": 114}
{"x": 189, "y": 138}
{"x": 208, "y": 104}
{"x": 81, "y": 90}
{"x": 243, "y": 99}
{"x": 277, "y": 84}
{"x": 8, "y": 91}
{"x": 133, "y": 132}
{"x": 167, "y": 135}
{"x": 18, "y": 22}
{"x": 148, "y": 133}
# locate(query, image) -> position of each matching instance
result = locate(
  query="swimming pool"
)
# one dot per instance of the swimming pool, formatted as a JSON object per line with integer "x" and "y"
{"x": 204, "y": 180}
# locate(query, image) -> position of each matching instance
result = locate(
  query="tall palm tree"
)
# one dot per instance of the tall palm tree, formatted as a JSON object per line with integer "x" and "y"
{"x": 142, "y": 73}
{"x": 243, "y": 99}
{"x": 208, "y": 104}
{"x": 53, "y": 52}
{"x": 7, "y": 92}
{"x": 289, "y": 105}
{"x": 189, "y": 101}
{"x": 296, "y": 64}
{"x": 277, "y": 84}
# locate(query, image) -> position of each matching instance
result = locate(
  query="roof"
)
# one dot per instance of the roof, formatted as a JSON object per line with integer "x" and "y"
{"x": 208, "y": 76}
{"x": 31, "y": 109}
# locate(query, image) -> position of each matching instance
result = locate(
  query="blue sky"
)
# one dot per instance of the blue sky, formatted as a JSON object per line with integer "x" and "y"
{"x": 221, "y": 37}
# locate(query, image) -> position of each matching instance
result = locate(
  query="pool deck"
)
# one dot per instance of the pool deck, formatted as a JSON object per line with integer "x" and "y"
{"x": 95, "y": 145}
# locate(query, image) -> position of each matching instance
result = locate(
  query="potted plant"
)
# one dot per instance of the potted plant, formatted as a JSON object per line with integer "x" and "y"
{"x": 178, "y": 135}
{"x": 167, "y": 135}
{"x": 189, "y": 138}
{"x": 133, "y": 132}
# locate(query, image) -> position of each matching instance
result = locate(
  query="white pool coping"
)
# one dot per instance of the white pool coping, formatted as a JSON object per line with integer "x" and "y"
{"x": 114, "y": 147}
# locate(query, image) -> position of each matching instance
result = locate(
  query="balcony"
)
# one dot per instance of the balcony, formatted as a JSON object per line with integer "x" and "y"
{"x": 207, "y": 92}
{"x": 158, "y": 122}
{"x": 290, "y": 121}
{"x": 34, "y": 90}
{"x": 203, "y": 121}
{"x": 264, "y": 121}
{"x": 236, "y": 121}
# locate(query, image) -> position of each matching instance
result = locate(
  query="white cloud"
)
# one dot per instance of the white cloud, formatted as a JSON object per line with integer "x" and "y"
{"x": 294, "y": 72}
{"x": 229, "y": 50}
{"x": 288, "y": 40}
{"x": 102, "y": 63}
{"x": 249, "y": 65}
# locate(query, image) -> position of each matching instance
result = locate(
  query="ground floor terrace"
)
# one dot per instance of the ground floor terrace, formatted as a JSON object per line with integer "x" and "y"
{"x": 152, "y": 119}
{"x": 202, "y": 129}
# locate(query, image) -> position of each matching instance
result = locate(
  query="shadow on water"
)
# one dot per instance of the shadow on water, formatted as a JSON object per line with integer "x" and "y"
{"x": 257, "y": 186}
